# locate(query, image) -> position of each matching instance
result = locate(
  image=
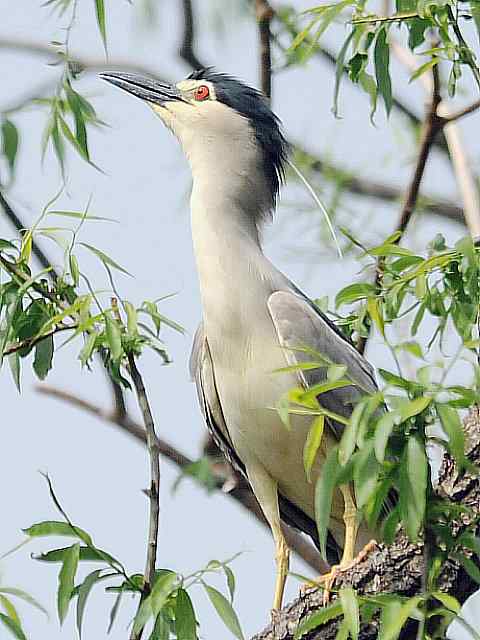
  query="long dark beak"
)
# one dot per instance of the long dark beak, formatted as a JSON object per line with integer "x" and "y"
{"x": 144, "y": 88}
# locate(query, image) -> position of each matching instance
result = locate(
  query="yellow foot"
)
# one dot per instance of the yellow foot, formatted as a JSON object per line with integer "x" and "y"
{"x": 327, "y": 580}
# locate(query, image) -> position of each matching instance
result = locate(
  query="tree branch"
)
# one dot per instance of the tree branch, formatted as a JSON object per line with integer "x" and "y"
{"x": 83, "y": 63}
{"x": 240, "y": 491}
{"x": 397, "y": 568}
{"x": 371, "y": 189}
{"x": 432, "y": 125}
{"x": 153, "y": 492}
{"x": 264, "y": 14}
{"x": 187, "y": 48}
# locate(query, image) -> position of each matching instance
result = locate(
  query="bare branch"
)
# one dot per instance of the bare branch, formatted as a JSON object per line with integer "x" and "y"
{"x": 264, "y": 15}
{"x": 466, "y": 181}
{"x": 187, "y": 48}
{"x": 240, "y": 491}
{"x": 153, "y": 492}
{"x": 29, "y": 343}
{"x": 452, "y": 117}
{"x": 433, "y": 124}
{"x": 20, "y": 227}
{"x": 84, "y": 63}
{"x": 371, "y": 189}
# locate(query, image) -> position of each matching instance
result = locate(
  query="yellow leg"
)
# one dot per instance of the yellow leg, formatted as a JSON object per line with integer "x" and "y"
{"x": 282, "y": 558}
{"x": 348, "y": 560}
{"x": 351, "y": 525}
{"x": 265, "y": 490}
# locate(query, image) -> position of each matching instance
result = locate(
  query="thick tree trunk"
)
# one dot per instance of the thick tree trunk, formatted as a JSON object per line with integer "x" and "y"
{"x": 396, "y": 568}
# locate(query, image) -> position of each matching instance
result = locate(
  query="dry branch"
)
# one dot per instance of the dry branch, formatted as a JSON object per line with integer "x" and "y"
{"x": 397, "y": 568}
{"x": 264, "y": 14}
{"x": 239, "y": 490}
{"x": 154, "y": 490}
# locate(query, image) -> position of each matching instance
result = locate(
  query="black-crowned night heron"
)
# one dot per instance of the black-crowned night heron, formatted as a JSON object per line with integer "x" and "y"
{"x": 254, "y": 317}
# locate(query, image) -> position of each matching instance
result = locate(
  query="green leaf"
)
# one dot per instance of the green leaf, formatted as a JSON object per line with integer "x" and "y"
{"x": 162, "y": 588}
{"x": 312, "y": 443}
{"x": 323, "y": 497}
{"x": 413, "y": 407}
{"x": 340, "y": 71}
{"x": 319, "y": 617}
{"x": 143, "y": 615}
{"x": 453, "y": 428}
{"x": 394, "y": 616}
{"x": 100, "y": 12}
{"x": 365, "y": 474}
{"x": 114, "y": 610}
{"x": 423, "y": 68}
{"x": 15, "y": 368}
{"x": 448, "y": 601}
{"x": 66, "y": 579}
{"x": 383, "y": 430}
{"x": 9, "y": 142}
{"x": 80, "y": 128}
{"x": 469, "y": 565}
{"x": 42, "y": 362}
{"x": 104, "y": 258}
{"x": 230, "y": 581}
{"x": 185, "y": 623}
{"x": 74, "y": 269}
{"x": 375, "y": 311}
{"x": 83, "y": 593}
{"x": 413, "y": 473}
{"x": 9, "y": 608}
{"x": 349, "y": 436}
{"x": 54, "y": 528}
{"x": 335, "y": 372}
{"x": 114, "y": 337}
{"x": 353, "y": 293}
{"x": 87, "y": 349}
{"x": 78, "y": 215}
{"x": 87, "y": 554}
{"x": 26, "y": 597}
{"x": 381, "y": 56}
{"x": 225, "y": 611}
{"x": 13, "y": 626}
{"x": 351, "y": 613}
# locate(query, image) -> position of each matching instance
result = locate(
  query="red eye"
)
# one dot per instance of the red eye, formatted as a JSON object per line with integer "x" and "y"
{"x": 202, "y": 92}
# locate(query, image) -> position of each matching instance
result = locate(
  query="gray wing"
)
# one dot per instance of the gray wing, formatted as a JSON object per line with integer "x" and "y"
{"x": 300, "y": 324}
{"x": 202, "y": 372}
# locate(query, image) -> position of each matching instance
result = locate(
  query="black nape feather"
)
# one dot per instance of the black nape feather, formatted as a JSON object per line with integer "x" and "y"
{"x": 253, "y": 105}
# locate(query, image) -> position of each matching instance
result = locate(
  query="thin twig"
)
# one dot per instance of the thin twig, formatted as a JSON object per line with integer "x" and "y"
{"x": 31, "y": 342}
{"x": 264, "y": 14}
{"x": 466, "y": 180}
{"x": 20, "y": 227}
{"x": 432, "y": 125}
{"x": 82, "y": 63}
{"x": 153, "y": 492}
{"x": 240, "y": 492}
{"x": 370, "y": 189}
{"x": 471, "y": 108}
{"x": 187, "y": 48}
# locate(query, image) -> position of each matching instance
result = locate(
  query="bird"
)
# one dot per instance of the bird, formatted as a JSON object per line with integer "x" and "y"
{"x": 254, "y": 318}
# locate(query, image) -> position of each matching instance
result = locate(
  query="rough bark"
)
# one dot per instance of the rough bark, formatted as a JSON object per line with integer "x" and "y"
{"x": 396, "y": 568}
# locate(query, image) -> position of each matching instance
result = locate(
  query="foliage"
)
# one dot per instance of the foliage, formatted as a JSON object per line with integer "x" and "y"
{"x": 433, "y": 31}
{"x": 381, "y": 452}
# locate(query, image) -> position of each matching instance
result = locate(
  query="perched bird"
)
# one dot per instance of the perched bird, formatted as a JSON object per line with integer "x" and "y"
{"x": 254, "y": 317}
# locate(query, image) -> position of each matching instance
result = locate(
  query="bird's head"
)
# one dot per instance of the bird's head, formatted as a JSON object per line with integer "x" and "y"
{"x": 215, "y": 116}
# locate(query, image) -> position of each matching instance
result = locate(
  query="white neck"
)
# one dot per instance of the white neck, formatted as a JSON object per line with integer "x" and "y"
{"x": 227, "y": 208}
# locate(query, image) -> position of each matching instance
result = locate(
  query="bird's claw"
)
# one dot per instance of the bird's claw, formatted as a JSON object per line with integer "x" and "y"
{"x": 327, "y": 580}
